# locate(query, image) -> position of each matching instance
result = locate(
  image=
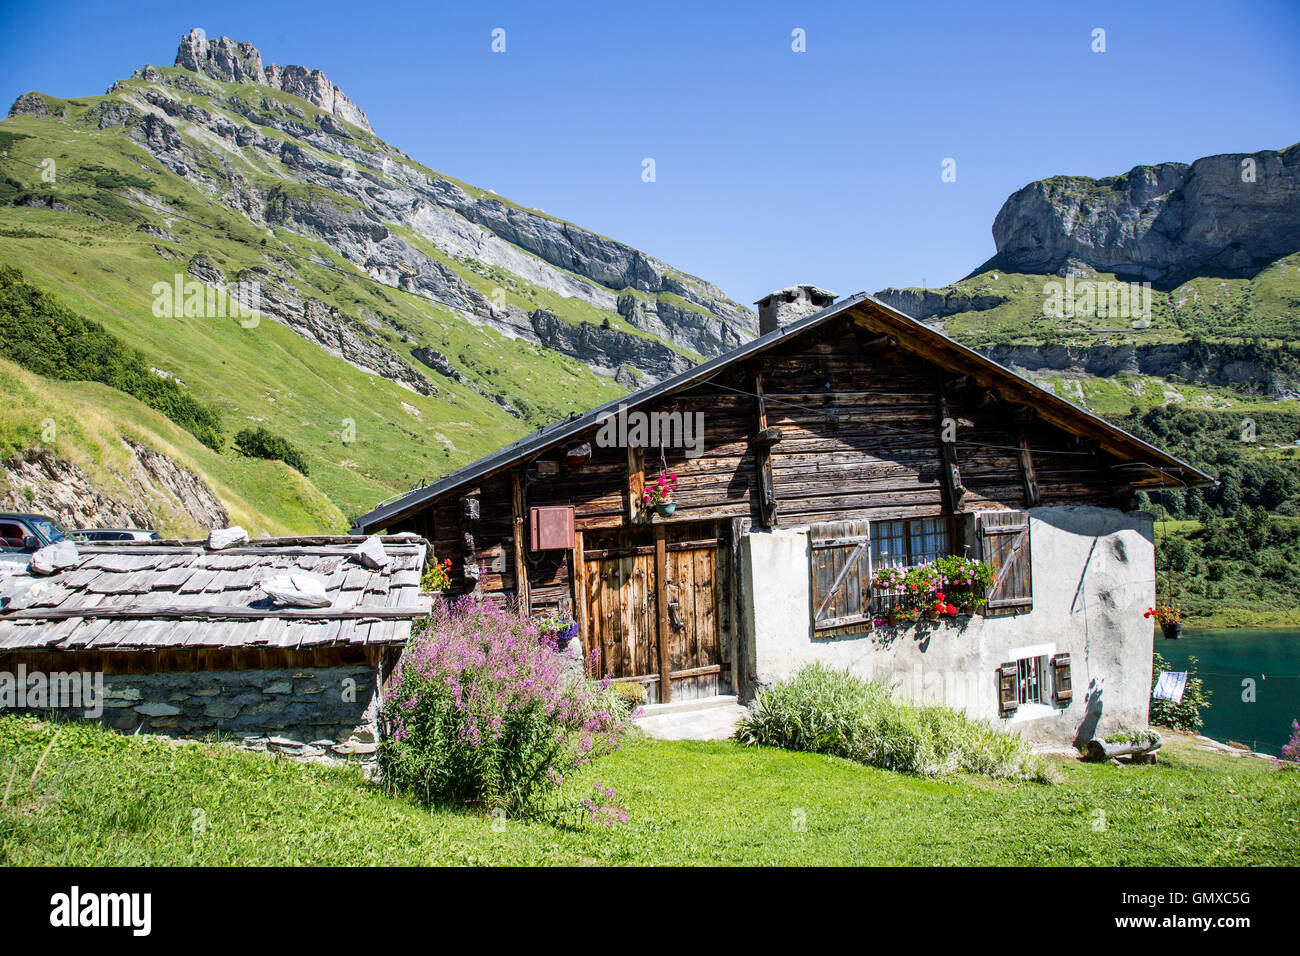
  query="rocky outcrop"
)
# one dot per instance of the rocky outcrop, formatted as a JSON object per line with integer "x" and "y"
{"x": 1244, "y": 368}
{"x": 608, "y": 349}
{"x": 37, "y": 481}
{"x": 342, "y": 335}
{"x": 937, "y": 303}
{"x": 233, "y": 61}
{"x": 153, "y": 473}
{"x": 443, "y": 366}
{"x": 1228, "y": 215}
{"x": 30, "y": 104}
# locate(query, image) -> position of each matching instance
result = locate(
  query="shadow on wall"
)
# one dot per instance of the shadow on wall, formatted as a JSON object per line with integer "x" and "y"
{"x": 1091, "y": 717}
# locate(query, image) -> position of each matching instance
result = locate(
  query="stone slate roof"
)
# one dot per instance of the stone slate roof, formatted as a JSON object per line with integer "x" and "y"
{"x": 148, "y": 595}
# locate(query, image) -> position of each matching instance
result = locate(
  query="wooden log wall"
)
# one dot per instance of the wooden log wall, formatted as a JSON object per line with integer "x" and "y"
{"x": 850, "y": 425}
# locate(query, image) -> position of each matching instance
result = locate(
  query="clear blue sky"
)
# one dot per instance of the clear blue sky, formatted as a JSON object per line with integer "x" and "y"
{"x": 772, "y": 166}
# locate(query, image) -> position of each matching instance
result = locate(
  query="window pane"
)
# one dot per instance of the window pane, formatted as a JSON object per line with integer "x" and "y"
{"x": 929, "y": 539}
{"x": 889, "y": 544}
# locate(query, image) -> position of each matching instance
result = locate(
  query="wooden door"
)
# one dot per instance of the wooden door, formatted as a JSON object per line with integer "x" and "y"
{"x": 691, "y": 589}
{"x": 622, "y": 614}
{"x": 623, "y": 594}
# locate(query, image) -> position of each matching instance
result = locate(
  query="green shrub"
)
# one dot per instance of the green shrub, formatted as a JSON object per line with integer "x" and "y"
{"x": 43, "y": 336}
{"x": 822, "y": 710}
{"x": 1185, "y": 714}
{"x": 260, "y": 443}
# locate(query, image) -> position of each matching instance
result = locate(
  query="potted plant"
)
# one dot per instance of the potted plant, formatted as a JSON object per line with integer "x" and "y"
{"x": 659, "y": 494}
{"x": 887, "y": 583}
{"x": 1169, "y": 618}
{"x": 560, "y": 628}
{"x": 966, "y": 580}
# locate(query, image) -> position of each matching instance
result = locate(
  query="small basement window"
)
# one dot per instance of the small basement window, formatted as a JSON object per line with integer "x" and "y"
{"x": 1034, "y": 683}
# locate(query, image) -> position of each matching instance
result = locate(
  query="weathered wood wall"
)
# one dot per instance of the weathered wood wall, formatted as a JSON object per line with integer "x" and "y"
{"x": 853, "y": 427}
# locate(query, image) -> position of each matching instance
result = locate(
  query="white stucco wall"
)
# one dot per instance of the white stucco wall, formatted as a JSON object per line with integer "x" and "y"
{"x": 1093, "y": 576}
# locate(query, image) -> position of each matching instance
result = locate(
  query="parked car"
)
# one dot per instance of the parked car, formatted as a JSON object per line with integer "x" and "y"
{"x": 114, "y": 534}
{"x": 29, "y": 532}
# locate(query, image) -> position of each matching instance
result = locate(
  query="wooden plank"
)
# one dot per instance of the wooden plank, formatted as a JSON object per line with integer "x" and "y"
{"x": 662, "y": 629}
{"x": 635, "y": 485}
{"x": 1027, "y": 470}
{"x": 578, "y": 591}
{"x": 951, "y": 474}
{"x": 767, "y": 506}
{"x": 522, "y": 596}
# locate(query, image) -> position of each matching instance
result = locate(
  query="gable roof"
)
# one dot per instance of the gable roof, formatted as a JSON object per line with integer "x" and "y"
{"x": 1159, "y": 469}
{"x": 124, "y": 595}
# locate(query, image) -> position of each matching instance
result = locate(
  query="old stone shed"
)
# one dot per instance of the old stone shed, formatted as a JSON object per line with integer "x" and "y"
{"x": 187, "y": 642}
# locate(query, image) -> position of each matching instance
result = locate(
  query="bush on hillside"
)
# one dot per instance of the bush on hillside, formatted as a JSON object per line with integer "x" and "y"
{"x": 41, "y": 335}
{"x": 822, "y": 710}
{"x": 482, "y": 713}
{"x": 260, "y": 443}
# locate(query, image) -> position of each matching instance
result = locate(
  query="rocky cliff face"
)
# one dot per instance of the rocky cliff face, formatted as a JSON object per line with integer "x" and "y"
{"x": 1228, "y": 215}
{"x": 154, "y": 485}
{"x": 1243, "y": 368}
{"x": 401, "y": 224}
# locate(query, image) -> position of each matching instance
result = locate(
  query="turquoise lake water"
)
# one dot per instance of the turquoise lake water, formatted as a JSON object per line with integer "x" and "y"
{"x": 1224, "y": 658}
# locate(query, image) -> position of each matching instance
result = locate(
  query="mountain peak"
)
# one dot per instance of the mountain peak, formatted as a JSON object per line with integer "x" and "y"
{"x": 236, "y": 61}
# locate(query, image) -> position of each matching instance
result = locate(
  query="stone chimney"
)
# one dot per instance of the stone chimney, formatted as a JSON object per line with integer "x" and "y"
{"x": 784, "y": 306}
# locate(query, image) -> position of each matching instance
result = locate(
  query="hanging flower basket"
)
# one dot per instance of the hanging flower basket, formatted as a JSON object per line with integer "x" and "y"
{"x": 658, "y": 494}
{"x": 1169, "y": 618}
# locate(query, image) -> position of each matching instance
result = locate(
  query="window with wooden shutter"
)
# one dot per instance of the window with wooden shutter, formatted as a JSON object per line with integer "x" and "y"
{"x": 1008, "y": 688}
{"x": 841, "y": 574}
{"x": 1061, "y": 679}
{"x": 1004, "y": 541}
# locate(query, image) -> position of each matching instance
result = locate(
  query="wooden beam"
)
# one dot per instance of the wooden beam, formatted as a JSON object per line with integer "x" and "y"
{"x": 635, "y": 485}
{"x": 951, "y": 474}
{"x": 663, "y": 630}
{"x": 1027, "y": 470}
{"x": 523, "y": 593}
{"x": 767, "y": 510}
{"x": 470, "y": 510}
{"x": 578, "y": 589}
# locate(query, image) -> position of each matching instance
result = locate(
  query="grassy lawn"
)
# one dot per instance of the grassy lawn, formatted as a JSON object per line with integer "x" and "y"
{"x": 103, "y": 799}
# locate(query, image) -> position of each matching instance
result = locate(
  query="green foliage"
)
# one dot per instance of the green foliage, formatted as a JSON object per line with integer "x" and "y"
{"x": 43, "y": 336}
{"x": 1185, "y": 714}
{"x": 1133, "y": 737}
{"x": 832, "y": 712}
{"x": 692, "y": 803}
{"x": 1232, "y": 570}
{"x": 260, "y": 443}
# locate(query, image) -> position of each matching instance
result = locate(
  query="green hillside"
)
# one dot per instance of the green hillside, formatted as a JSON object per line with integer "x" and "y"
{"x": 123, "y": 222}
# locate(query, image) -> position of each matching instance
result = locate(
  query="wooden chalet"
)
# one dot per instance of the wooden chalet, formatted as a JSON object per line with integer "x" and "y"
{"x": 873, "y": 436}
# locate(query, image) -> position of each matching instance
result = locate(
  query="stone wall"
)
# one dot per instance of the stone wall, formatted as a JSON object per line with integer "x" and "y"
{"x": 1093, "y": 576}
{"x": 319, "y": 712}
